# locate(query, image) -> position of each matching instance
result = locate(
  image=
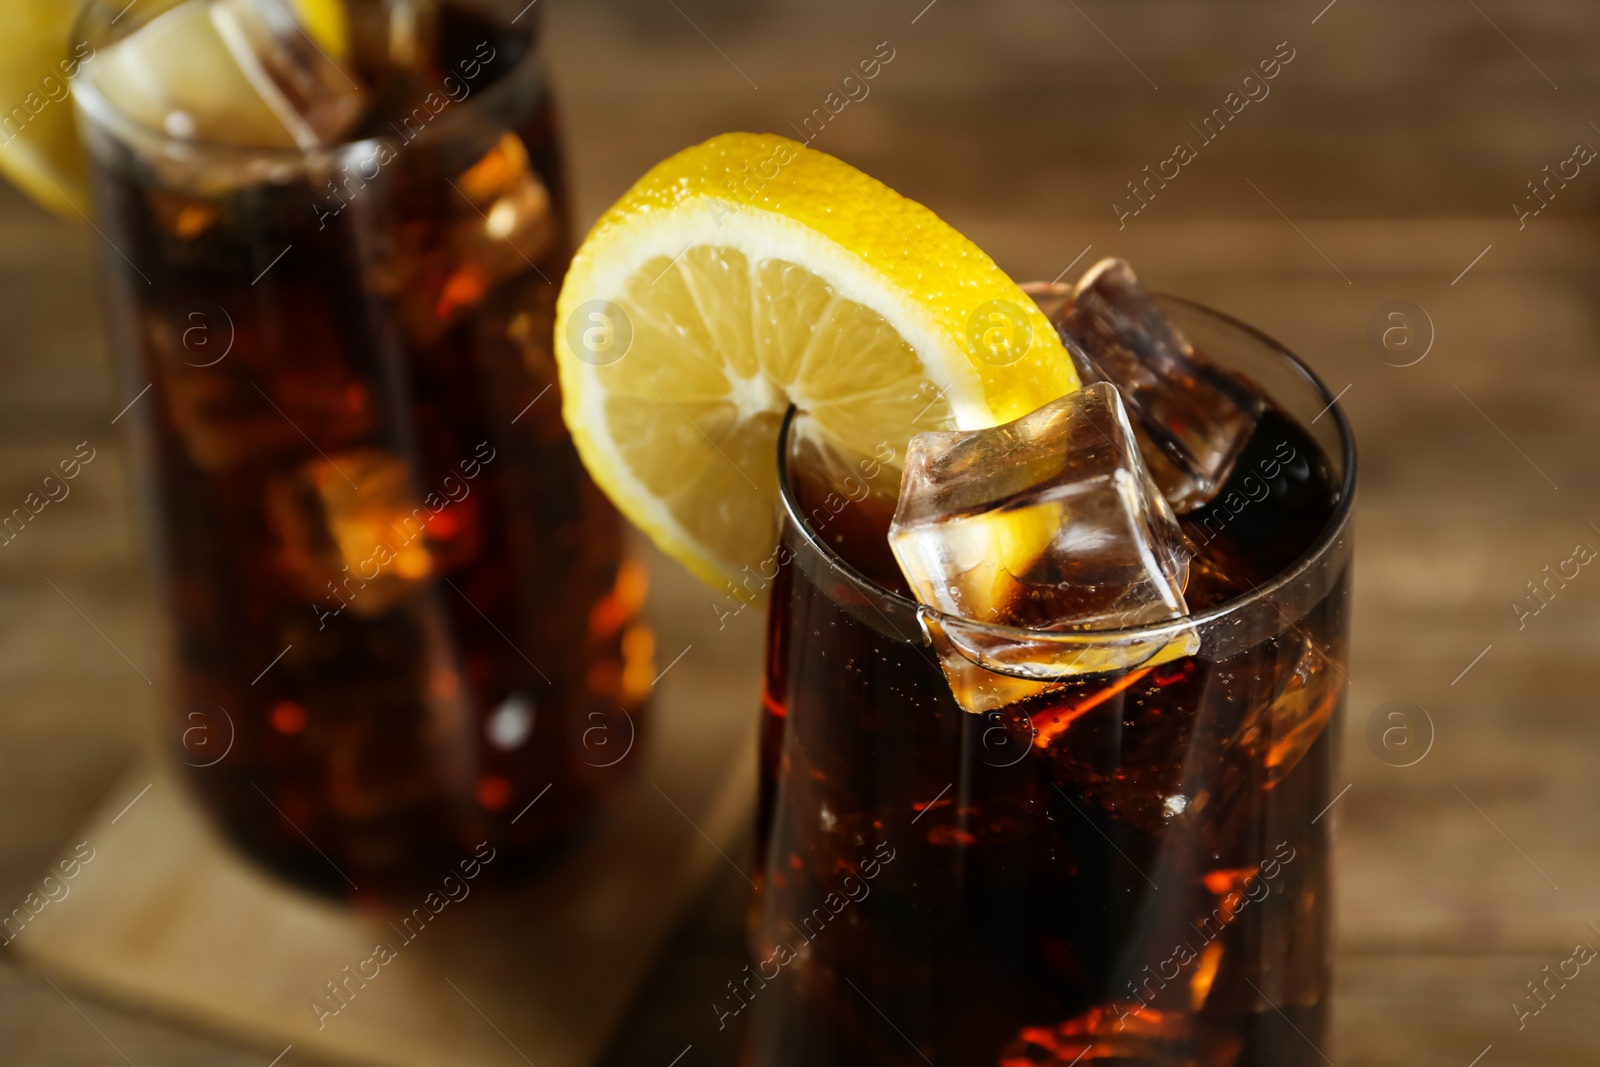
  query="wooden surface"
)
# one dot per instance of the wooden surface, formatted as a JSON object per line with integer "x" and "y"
{"x": 1384, "y": 162}
{"x": 161, "y": 915}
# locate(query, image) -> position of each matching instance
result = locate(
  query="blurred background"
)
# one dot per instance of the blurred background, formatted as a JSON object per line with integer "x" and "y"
{"x": 1389, "y": 160}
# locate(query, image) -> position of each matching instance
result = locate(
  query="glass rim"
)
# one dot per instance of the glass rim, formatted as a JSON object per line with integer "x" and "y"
{"x": 1155, "y": 633}
{"x": 108, "y": 116}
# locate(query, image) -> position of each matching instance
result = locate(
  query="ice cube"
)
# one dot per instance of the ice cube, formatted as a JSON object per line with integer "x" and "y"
{"x": 1191, "y": 417}
{"x": 508, "y": 225}
{"x": 1124, "y": 1031}
{"x": 495, "y": 224}
{"x": 350, "y": 531}
{"x": 315, "y": 98}
{"x": 1280, "y": 731}
{"x": 1050, "y": 523}
{"x": 394, "y": 39}
{"x": 240, "y": 396}
{"x": 235, "y": 72}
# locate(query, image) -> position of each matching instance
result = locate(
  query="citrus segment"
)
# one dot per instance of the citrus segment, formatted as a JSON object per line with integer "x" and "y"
{"x": 38, "y": 139}
{"x": 749, "y": 273}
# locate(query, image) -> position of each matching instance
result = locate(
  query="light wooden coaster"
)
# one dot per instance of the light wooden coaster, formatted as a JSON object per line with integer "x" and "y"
{"x": 165, "y": 918}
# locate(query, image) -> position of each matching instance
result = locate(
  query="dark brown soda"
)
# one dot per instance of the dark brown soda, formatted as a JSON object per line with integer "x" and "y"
{"x": 406, "y": 633}
{"x": 1128, "y": 869}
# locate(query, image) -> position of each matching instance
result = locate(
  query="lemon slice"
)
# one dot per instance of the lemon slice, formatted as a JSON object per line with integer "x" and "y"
{"x": 750, "y": 272}
{"x": 327, "y": 23}
{"x": 39, "y": 143}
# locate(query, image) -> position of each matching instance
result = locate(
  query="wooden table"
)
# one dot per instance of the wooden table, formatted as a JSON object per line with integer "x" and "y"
{"x": 1382, "y": 166}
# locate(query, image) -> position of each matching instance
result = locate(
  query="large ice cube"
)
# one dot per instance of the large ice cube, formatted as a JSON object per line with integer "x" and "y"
{"x": 237, "y": 72}
{"x": 1308, "y": 685}
{"x": 1191, "y": 417}
{"x": 315, "y": 98}
{"x": 496, "y": 223}
{"x": 351, "y": 532}
{"x": 1049, "y": 522}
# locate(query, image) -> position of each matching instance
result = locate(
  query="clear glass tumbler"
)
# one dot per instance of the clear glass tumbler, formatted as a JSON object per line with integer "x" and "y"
{"x": 405, "y": 632}
{"x": 1130, "y": 867}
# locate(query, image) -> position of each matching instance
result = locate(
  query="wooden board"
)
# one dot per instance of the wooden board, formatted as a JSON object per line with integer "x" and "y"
{"x": 165, "y": 917}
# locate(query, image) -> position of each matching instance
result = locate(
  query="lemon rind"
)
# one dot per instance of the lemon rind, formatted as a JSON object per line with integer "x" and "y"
{"x": 618, "y": 254}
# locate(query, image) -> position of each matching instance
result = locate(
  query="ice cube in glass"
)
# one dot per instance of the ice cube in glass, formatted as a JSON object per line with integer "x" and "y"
{"x": 1191, "y": 417}
{"x": 1049, "y": 523}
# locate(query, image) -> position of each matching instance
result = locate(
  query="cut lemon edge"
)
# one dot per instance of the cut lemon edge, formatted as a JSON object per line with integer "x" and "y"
{"x": 327, "y": 23}
{"x": 749, "y": 273}
{"x": 40, "y": 155}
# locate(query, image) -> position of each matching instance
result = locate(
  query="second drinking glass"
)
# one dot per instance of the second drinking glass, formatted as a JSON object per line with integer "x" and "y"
{"x": 406, "y": 635}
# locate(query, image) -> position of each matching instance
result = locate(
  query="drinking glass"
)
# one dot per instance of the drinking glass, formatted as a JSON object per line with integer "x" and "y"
{"x": 1133, "y": 867}
{"x": 404, "y": 629}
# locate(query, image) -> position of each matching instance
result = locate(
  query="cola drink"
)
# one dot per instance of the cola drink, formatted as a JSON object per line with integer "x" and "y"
{"x": 405, "y": 629}
{"x": 1128, "y": 865}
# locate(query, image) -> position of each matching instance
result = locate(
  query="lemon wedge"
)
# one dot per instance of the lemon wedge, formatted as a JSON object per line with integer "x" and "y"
{"x": 749, "y": 273}
{"x": 38, "y": 140}
{"x": 327, "y": 23}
